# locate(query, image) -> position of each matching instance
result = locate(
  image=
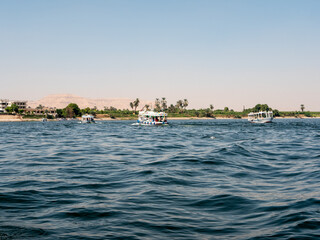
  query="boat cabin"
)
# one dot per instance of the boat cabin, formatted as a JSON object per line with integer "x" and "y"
{"x": 152, "y": 118}
{"x": 87, "y": 119}
{"x": 262, "y": 116}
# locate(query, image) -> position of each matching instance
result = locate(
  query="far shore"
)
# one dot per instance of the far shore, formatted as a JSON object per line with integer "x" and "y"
{"x": 7, "y": 118}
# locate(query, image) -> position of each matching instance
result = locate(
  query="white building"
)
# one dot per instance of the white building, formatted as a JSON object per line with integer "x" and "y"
{"x": 3, "y": 104}
{"x": 21, "y": 104}
{"x": 6, "y": 103}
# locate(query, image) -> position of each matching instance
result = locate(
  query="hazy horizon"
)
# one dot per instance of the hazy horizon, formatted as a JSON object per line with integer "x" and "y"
{"x": 224, "y": 53}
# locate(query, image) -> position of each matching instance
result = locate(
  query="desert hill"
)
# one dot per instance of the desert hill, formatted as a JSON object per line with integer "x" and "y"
{"x": 62, "y": 100}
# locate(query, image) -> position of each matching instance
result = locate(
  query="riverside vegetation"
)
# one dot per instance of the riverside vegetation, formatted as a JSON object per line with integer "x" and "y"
{"x": 179, "y": 110}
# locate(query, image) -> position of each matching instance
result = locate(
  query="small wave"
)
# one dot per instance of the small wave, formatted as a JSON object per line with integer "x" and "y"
{"x": 312, "y": 202}
{"x": 172, "y": 181}
{"x": 30, "y": 197}
{"x": 8, "y": 232}
{"x": 309, "y": 224}
{"x": 225, "y": 203}
{"x": 214, "y": 179}
{"x": 87, "y": 214}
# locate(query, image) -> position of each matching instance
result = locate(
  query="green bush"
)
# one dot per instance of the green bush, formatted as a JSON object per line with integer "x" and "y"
{"x": 307, "y": 114}
{"x": 34, "y": 116}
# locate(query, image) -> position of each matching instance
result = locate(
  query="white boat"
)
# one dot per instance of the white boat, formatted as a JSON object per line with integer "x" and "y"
{"x": 44, "y": 120}
{"x": 87, "y": 119}
{"x": 152, "y": 118}
{"x": 260, "y": 117}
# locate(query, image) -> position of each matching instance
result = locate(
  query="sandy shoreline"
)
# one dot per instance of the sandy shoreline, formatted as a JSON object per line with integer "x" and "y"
{"x": 5, "y": 118}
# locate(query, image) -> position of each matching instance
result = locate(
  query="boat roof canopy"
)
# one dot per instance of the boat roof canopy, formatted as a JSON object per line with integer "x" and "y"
{"x": 87, "y": 116}
{"x": 261, "y": 112}
{"x": 152, "y": 114}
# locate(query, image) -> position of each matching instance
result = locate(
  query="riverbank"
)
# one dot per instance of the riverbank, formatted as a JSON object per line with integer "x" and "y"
{"x": 17, "y": 118}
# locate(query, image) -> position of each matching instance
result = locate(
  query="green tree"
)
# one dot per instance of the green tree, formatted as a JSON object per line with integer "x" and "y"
{"x": 172, "y": 109}
{"x": 261, "y": 107}
{"x": 69, "y": 113}
{"x": 265, "y": 107}
{"x": 14, "y": 108}
{"x": 302, "y": 107}
{"x": 93, "y": 112}
{"x": 157, "y": 106}
{"x": 147, "y": 107}
{"x": 211, "y": 107}
{"x": 40, "y": 107}
{"x": 307, "y": 114}
{"x": 59, "y": 113}
{"x": 226, "y": 109}
{"x": 75, "y": 109}
{"x": 185, "y": 103}
{"x": 8, "y": 109}
{"x": 276, "y": 113}
{"x": 208, "y": 113}
{"x": 131, "y": 105}
{"x": 164, "y": 105}
{"x": 179, "y": 105}
{"x": 136, "y": 104}
{"x": 85, "y": 110}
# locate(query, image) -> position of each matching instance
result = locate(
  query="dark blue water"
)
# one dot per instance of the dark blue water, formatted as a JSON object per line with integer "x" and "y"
{"x": 209, "y": 179}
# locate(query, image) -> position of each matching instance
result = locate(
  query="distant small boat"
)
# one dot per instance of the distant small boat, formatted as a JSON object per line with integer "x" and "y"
{"x": 260, "y": 117}
{"x": 152, "y": 118}
{"x": 87, "y": 119}
{"x": 44, "y": 120}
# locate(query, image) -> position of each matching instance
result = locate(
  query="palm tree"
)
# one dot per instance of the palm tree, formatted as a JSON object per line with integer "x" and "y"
{"x": 172, "y": 109}
{"x": 185, "y": 103}
{"x": 211, "y": 107}
{"x": 39, "y": 107}
{"x": 157, "y": 104}
{"x": 147, "y": 107}
{"x": 131, "y": 105}
{"x": 136, "y": 104}
{"x": 179, "y": 104}
{"x": 302, "y": 107}
{"x": 164, "y": 104}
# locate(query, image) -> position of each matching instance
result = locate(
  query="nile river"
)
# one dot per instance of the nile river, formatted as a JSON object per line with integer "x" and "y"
{"x": 194, "y": 179}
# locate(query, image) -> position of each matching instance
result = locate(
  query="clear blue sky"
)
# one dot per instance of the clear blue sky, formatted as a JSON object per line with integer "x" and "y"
{"x": 225, "y": 53}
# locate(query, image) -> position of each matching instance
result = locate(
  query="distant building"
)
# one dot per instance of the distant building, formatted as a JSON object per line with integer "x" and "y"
{"x": 41, "y": 111}
{"x": 21, "y": 104}
{"x": 4, "y": 103}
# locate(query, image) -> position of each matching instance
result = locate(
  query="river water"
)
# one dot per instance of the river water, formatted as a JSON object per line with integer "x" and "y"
{"x": 194, "y": 179}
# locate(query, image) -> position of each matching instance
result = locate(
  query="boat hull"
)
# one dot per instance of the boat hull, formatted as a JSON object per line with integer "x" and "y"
{"x": 264, "y": 120}
{"x": 152, "y": 123}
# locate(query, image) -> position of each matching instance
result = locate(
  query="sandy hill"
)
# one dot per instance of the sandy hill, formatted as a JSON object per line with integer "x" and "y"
{"x": 62, "y": 100}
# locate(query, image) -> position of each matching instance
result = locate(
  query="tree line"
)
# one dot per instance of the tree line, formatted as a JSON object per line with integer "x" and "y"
{"x": 179, "y": 109}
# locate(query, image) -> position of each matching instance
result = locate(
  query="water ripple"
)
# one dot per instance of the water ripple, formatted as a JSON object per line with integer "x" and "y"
{"x": 196, "y": 179}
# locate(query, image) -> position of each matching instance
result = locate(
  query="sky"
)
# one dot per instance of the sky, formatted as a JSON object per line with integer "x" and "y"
{"x": 233, "y": 53}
